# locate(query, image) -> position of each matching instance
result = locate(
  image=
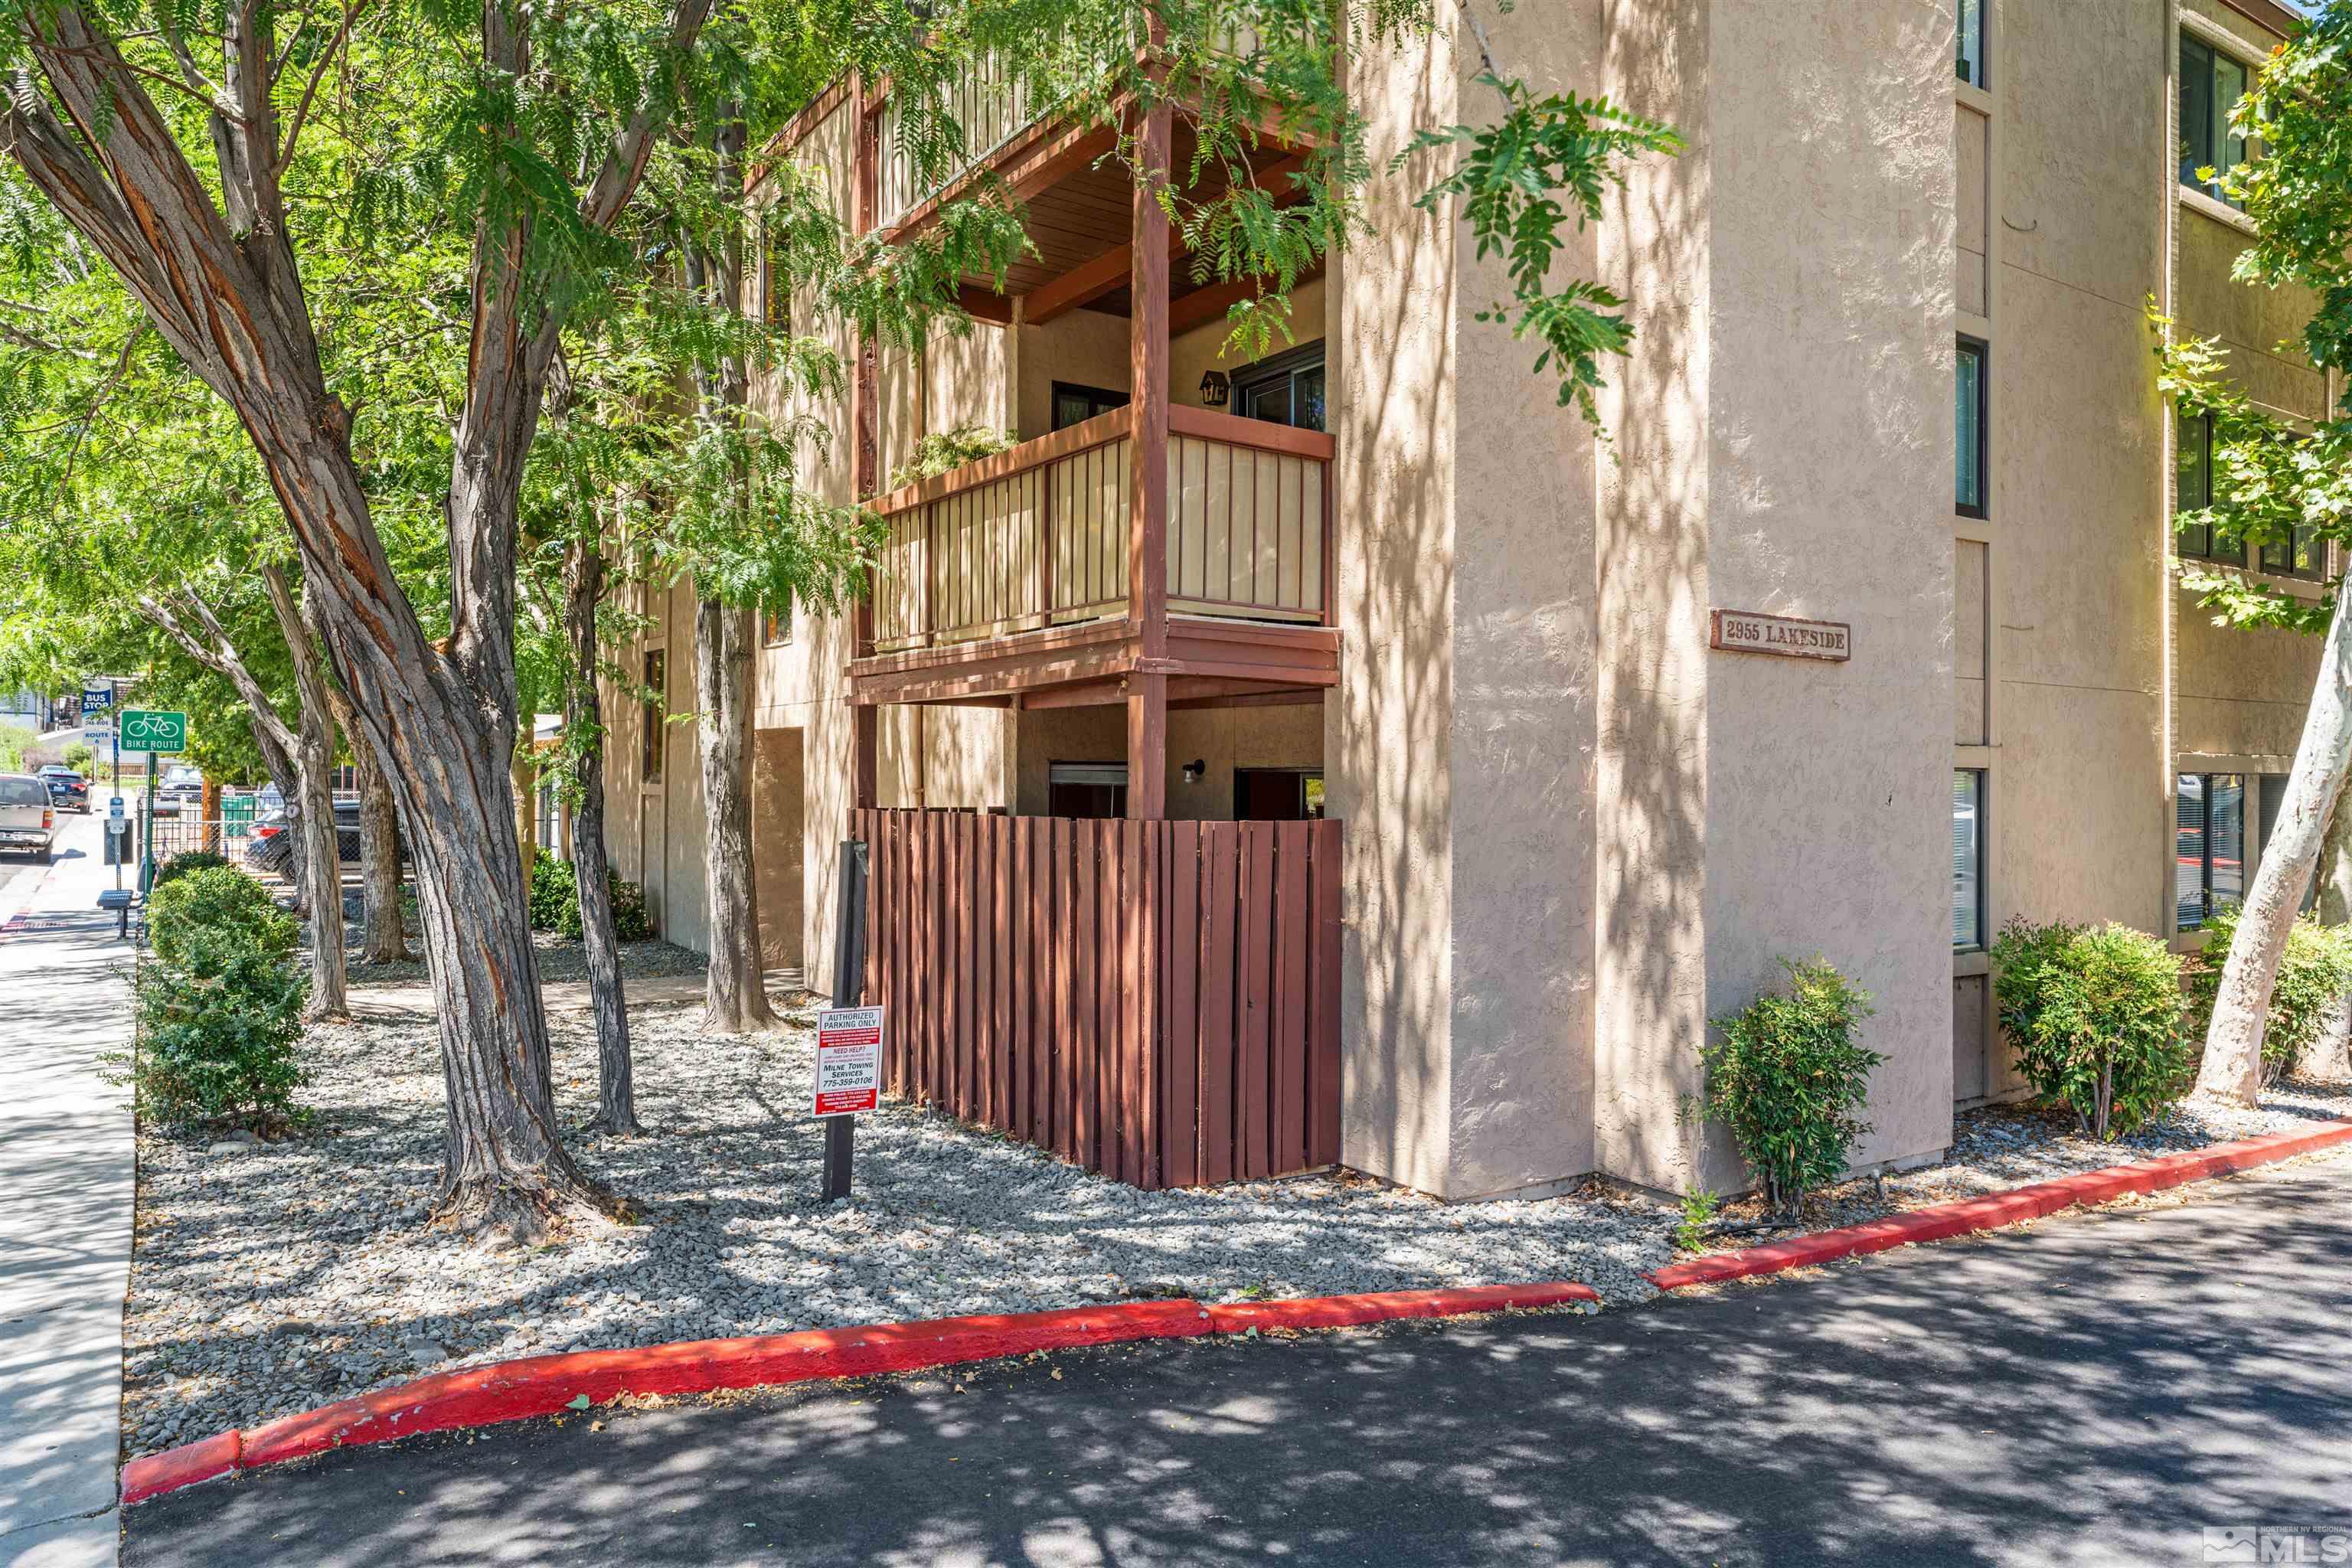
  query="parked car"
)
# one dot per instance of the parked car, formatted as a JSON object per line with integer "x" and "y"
{"x": 28, "y": 819}
{"x": 181, "y": 788}
{"x": 68, "y": 791}
{"x": 270, "y": 849}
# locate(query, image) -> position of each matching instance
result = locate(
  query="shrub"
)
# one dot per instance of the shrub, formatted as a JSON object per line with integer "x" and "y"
{"x": 216, "y": 898}
{"x": 220, "y": 1002}
{"x": 80, "y": 756}
{"x": 630, "y": 921}
{"x": 2314, "y": 973}
{"x": 943, "y": 451}
{"x": 1785, "y": 1075}
{"x": 188, "y": 860}
{"x": 2093, "y": 1014}
{"x": 554, "y": 888}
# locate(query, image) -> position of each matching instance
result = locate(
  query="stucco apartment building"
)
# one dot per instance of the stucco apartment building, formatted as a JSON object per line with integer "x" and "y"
{"x": 1856, "y": 635}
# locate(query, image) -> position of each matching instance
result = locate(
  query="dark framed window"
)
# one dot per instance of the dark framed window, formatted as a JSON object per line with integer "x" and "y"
{"x": 1969, "y": 57}
{"x": 2209, "y": 845}
{"x": 1277, "y": 794}
{"x": 1285, "y": 389}
{"x": 1074, "y": 405}
{"x": 656, "y": 714}
{"x": 2202, "y": 483}
{"x": 2212, "y": 83}
{"x": 1969, "y": 409}
{"x": 776, "y": 625}
{"x": 1094, "y": 790}
{"x": 1967, "y": 856}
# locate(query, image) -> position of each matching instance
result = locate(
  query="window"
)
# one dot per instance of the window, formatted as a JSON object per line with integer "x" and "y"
{"x": 1968, "y": 430}
{"x": 650, "y": 754}
{"x": 1277, "y": 794}
{"x": 776, "y": 625}
{"x": 2210, "y": 85}
{"x": 2201, "y": 484}
{"x": 546, "y": 815}
{"x": 1970, "y": 54}
{"x": 1075, "y": 404}
{"x": 2209, "y": 846}
{"x": 1086, "y": 789}
{"x": 1967, "y": 856}
{"x": 1286, "y": 389}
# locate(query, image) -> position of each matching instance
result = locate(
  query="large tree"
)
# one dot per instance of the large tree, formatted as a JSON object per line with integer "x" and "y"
{"x": 2274, "y": 482}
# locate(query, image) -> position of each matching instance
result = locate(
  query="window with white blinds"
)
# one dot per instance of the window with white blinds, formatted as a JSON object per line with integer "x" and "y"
{"x": 2209, "y": 845}
{"x": 1967, "y": 857}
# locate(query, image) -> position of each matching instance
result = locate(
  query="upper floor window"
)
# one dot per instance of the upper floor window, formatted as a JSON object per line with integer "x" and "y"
{"x": 1286, "y": 389}
{"x": 2200, "y": 483}
{"x": 2210, "y": 85}
{"x": 1967, "y": 856}
{"x": 1968, "y": 429}
{"x": 776, "y": 625}
{"x": 1971, "y": 60}
{"x": 1074, "y": 405}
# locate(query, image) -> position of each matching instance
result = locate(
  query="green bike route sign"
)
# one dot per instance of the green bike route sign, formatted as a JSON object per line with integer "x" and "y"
{"x": 153, "y": 730}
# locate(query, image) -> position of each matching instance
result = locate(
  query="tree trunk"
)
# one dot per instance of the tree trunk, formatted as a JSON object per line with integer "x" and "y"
{"x": 386, "y": 940}
{"x": 2232, "y": 1068}
{"x": 2333, "y": 1049}
{"x": 321, "y": 846}
{"x": 735, "y": 993}
{"x": 526, "y": 803}
{"x": 735, "y": 996}
{"x": 278, "y": 762}
{"x": 583, "y": 731}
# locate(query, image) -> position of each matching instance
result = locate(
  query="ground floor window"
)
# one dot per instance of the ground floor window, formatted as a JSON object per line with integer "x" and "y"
{"x": 1094, "y": 790}
{"x": 1277, "y": 794}
{"x": 656, "y": 713}
{"x": 1967, "y": 856}
{"x": 2210, "y": 839}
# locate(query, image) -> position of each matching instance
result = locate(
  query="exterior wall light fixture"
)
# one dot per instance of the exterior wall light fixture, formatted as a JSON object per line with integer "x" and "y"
{"x": 1214, "y": 389}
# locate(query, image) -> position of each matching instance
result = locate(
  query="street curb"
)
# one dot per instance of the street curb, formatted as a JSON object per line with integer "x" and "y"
{"x": 1965, "y": 1216}
{"x": 545, "y": 1386}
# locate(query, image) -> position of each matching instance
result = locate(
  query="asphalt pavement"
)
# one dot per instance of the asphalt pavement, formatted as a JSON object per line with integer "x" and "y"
{"x": 66, "y": 1163}
{"x": 2096, "y": 1389}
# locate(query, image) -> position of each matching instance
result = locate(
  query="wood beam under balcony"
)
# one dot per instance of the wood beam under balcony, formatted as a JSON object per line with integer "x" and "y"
{"x": 1089, "y": 280}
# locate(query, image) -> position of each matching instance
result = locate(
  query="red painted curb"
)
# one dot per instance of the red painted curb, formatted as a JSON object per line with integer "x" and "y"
{"x": 1347, "y": 1311}
{"x": 542, "y": 1385}
{"x": 181, "y": 1466}
{"x": 1965, "y": 1216}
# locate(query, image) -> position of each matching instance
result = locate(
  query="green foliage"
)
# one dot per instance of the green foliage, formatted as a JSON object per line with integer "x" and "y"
{"x": 219, "y": 1004}
{"x": 1511, "y": 181}
{"x": 185, "y": 862}
{"x": 2314, "y": 972}
{"x": 1785, "y": 1075}
{"x": 943, "y": 450}
{"x": 14, "y": 741}
{"x": 631, "y": 923}
{"x": 81, "y": 756}
{"x": 2093, "y": 1014}
{"x": 217, "y": 899}
{"x": 554, "y": 889}
{"x": 1699, "y": 1207}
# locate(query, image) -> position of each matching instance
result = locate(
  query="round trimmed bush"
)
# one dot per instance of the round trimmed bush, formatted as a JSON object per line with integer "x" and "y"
{"x": 212, "y": 898}
{"x": 2093, "y": 1015}
{"x": 188, "y": 860}
{"x": 1785, "y": 1075}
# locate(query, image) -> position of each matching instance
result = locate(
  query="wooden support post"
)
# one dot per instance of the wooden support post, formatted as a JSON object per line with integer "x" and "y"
{"x": 1147, "y": 747}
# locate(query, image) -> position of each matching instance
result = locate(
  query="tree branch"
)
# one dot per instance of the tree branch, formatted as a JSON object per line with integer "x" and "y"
{"x": 219, "y": 655}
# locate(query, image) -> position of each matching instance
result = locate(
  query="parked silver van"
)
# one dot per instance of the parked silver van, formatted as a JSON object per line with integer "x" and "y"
{"x": 28, "y": 821}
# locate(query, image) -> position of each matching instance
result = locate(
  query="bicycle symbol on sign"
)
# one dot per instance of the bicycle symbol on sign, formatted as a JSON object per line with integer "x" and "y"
{"x": 145, "y": 726}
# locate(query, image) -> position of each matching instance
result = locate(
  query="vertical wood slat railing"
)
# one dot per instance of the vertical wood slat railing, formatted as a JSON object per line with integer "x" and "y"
{"x": 1158, "y": 1002}
{"x": 1038, "y": 534}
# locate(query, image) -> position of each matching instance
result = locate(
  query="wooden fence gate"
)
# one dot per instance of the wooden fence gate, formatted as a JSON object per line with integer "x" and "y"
{"x": 1155, "y": 1001}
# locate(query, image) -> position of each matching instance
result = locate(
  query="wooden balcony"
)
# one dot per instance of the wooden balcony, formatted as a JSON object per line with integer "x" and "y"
{"x": 1009, "y": 580}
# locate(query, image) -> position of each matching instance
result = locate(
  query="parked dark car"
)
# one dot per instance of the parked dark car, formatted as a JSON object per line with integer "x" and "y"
{"x": 68, "y": 791}
{"x": 181, "y": 789}
{"x": 271, "y": 846}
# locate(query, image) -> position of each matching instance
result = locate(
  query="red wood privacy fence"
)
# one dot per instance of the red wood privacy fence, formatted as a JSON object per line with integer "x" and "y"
{"x": 1155, "y": 1001}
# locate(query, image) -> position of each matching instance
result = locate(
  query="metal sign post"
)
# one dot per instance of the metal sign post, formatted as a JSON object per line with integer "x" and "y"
{"x": 155, "y": 732}
{"x": 848, "y": 990}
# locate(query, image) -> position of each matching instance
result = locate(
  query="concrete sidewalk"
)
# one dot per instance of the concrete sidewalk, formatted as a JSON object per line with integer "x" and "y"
{"x": 65, "y": 1166}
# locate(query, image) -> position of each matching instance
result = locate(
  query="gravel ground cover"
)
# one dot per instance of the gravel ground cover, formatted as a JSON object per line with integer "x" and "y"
{"x": 275, "y": 1277}
{"x": 558, "y": 960}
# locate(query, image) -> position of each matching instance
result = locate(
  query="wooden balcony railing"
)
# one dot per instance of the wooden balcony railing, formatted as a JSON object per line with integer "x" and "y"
{"x": 1039, "y": 535}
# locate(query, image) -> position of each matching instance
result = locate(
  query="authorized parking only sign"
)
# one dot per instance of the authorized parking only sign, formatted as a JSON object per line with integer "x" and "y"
{"x": 848, "y": 1061}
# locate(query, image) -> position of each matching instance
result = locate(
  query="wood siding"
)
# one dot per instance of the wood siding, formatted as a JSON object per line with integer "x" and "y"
{"x": 1158, "y": 1002}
